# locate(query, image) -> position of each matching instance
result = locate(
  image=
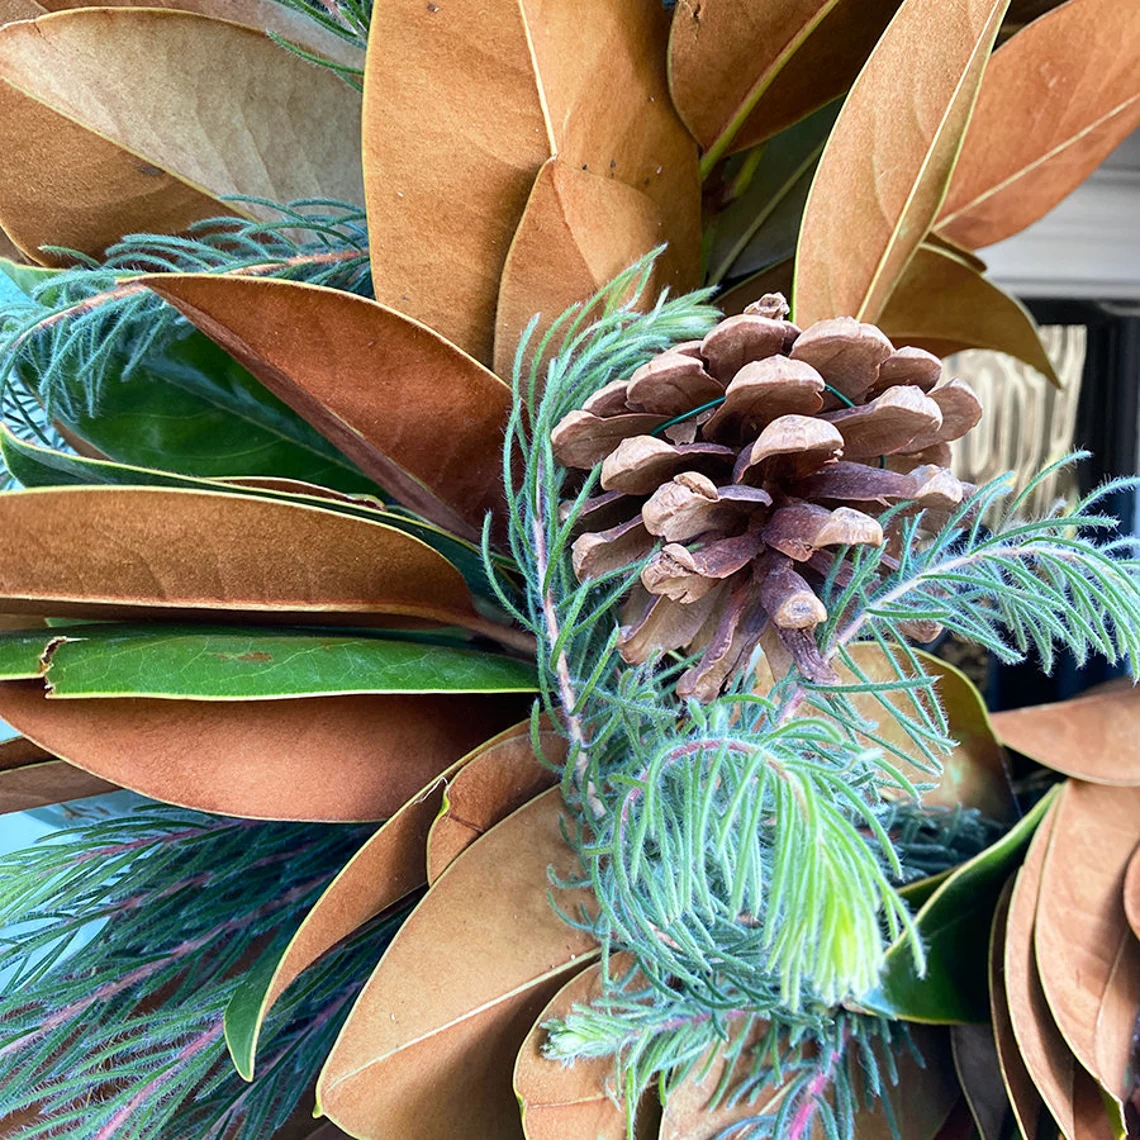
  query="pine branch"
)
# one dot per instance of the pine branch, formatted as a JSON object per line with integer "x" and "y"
{"x": 125, "y": 1036}
{"x": 82, "y": 326}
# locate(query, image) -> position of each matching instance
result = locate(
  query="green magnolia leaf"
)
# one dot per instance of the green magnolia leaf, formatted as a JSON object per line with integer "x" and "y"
{"x": 193, "y": 408}
{"x": 219, "y": 664}
{"x": 24, "y": 277}
{"x": 954, "y": 924}
{"x": 760, "y": 226}
{"x": 35, "y": 466}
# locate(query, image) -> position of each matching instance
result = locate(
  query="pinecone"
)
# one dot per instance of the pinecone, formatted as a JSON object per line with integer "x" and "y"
{"x": 751, "y": 455}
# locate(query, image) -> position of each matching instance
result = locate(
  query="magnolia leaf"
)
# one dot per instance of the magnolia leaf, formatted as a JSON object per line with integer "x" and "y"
{"x": 1056, "y": 99}
{"x": 493, "y": 785}
{"x": 104, "y": 552}
{"x": 19, "y": 10}
{"x": 943, "y": 303}
{"x": 694, "y": 1112}
{"x": 974, "y": 775}
{"x": 1047, "y": 1058}
{"x": 886, "y": 166}
{"x": 1090, "y": 1120}
{"x": 921, "y": 1101}
{"x": 959, "y": 1124}
{"x": 1093, "y": 738}
{"x": 192, "y": 409}
{"x": 261, "y": 15}
{"x": 1020, "y": 1091}
{"x": 140, "y": 119}
{"x": 19, "y": 752}
{"x": 741, "y": 72}
{"x": 1087, "y": 955}
{"x": 416, "y": 414}
{"x": 591, "y": 227}
{"x": 342, "y": 758}
{"x": 45, "y": 783}
{"x": 775, "y": 279}
{"x": 35, "y": 466}
{"x": 429, "y": 1049}
{"x": 225, "y": 664}
{"x": 954, "y": 927}
{"x": 579, "y": 1101}
{"x": 979, "y": 1073}
{"x": 386, "y": 869}
{"x": 759, "y": 226}
{"x": 1131, "y": 891}
{"x": 462, "y": 108}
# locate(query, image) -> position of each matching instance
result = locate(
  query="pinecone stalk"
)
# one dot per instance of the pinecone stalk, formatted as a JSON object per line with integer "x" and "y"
{"x": 741, "y": 466}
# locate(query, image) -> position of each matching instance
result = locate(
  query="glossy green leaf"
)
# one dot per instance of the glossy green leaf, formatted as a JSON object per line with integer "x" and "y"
{"x": 954, "y": 925}
{"x": 35, "y": 466}
{"x": 218, "y": 664}
{"x": 760, "y": 226}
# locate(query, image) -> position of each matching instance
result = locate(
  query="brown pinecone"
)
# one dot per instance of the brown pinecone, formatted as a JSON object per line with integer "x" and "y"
{"x": 812, "y": 434}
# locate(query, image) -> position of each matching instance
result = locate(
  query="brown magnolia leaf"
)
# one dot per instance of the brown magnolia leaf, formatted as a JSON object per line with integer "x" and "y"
{"x": 47, "y": 782}
{"x": 588, "y": 226}
{"x": 462, "y": 108}
{"x": 1131, "y": 890}
{"x": 106, "y": 551}
{"x": 577, "y": 1101}
{"x": 1087, "y": 955}
{"x": 885, "y": 169}
{"x": 1090, "y": 1120}
{"x": 602, "y": 70}
{"x": 944, "y": 304}
{"x": 11, "y": 10}
{"x": 496, "y": 782}
{"x": 922, "y": 1100}
{"x": 1020, "y": 1091}
{"x": 429, "y": 1049}
{"x": 974, "y": 774}
{"x": 741, "y": 72}
{"x": 1047, "y": 1058}
{"x": 389, "y": 866}
{"x": 1056, "y": 99}
{"x": 1093, "y": 738}
{"x": 959, "y": 1124}
{"x": 344, "y": 758}
{"x": 979, "y": 1073}
{"x": 419, "y": 416}
{"x": 116, "y": 120}
{"x": 261, "y": 15}
{"x": 19, "y": 752}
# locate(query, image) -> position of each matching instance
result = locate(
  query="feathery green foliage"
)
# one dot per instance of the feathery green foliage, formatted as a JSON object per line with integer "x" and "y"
{"x": 742, "y": 849}
{"x": 348, "y": 19}
{"x": 126, "y": 1035}
{"x": 80, "y": 326}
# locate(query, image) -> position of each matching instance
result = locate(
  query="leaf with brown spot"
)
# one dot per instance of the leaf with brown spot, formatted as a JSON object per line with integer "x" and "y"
{"x": 105, "y": 551}
{"x": 334, "y": 759}
{"x": 1043, "y": 1050}
{"x": 114, "y": 120}
{"x": 974, "y": 774}
{"x": 415, "y": 413}
{"x": 579, "y": 231}
{"x": 944, "y": 304}
{"x": 1094, "y": 738}
{"x": 1024, "y": 1098}
{"x": 1087, "y": 955}
{"x": 389, "y": 866}
{"x": 886, "y": 166}
{"x": 1056, "y": 99}
{"x": 46, "y": 782}
{"x": 579, "y": 1101}
{"x": 741, "y": 72}
{"x": 494, "y": 784}
{"x": 429, "y": 1049}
